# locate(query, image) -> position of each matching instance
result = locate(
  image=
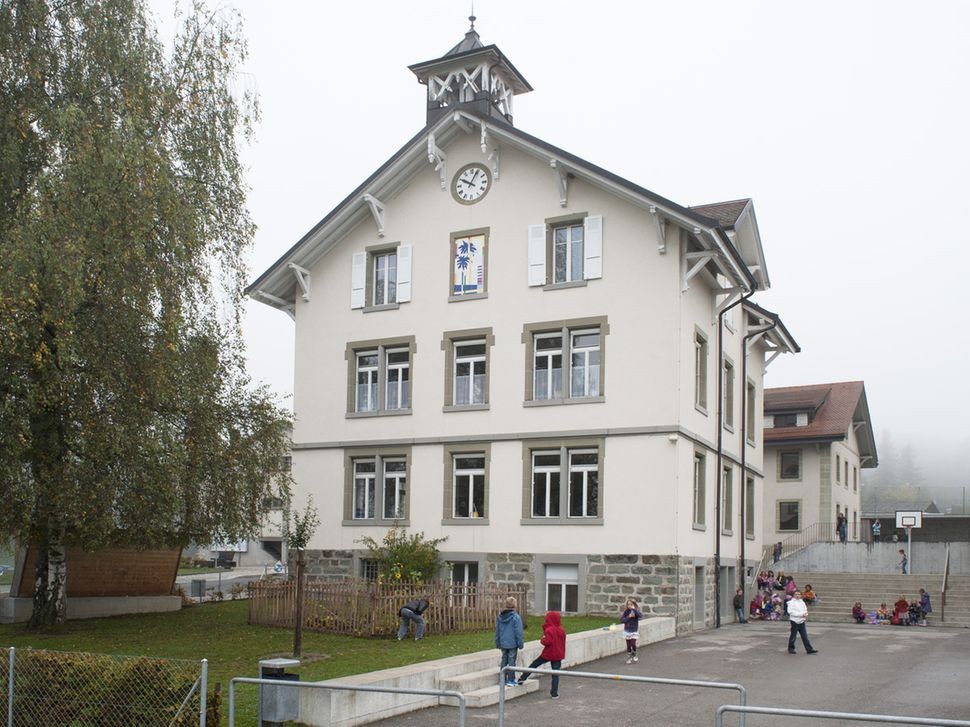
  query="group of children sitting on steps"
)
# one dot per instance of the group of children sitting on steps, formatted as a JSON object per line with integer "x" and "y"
{"x": 903, "y": 613}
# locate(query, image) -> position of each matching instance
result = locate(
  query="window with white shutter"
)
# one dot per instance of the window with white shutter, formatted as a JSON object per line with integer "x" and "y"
{"x": 380, "y": 277}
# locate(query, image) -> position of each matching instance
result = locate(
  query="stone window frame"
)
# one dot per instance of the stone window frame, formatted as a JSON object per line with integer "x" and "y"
{"x": 699, "y": 491}
{"x": 541, "y": 560}
{"x": 564, "y": 445}
{"x": 378, "y": 454}
{"x": 751, "y": 502}
{"x": 778, "y": 504}
{"x": 751, "y": 415}
{"x": 566, "y": 327}
{"x": 449, "y": 451}
{"x": 781, "y": 469}
{"x": 729, "y": 406}
{"x": 484, "y": 231}
{"x": 381, "y": 345}
{"x": 727, "y": 498}
{"x": 448, "y": 341}
{"x": 702, "y": 355}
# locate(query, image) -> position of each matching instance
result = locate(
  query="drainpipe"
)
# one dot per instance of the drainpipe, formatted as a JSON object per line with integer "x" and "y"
{"x": 744, "y": 438}
{"x": 718, "y": 474}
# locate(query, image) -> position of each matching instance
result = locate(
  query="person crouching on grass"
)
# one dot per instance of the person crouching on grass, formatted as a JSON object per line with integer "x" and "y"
{"x": 797, "y": 614}
{"x": 554, "y": 650}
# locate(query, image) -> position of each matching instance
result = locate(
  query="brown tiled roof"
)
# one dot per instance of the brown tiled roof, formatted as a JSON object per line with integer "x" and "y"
{"x": 834, "y": 406}
{"x": 726, "y": 213}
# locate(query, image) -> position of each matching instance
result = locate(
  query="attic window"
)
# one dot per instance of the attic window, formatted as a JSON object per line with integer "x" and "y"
{"x": 786, "y": 420}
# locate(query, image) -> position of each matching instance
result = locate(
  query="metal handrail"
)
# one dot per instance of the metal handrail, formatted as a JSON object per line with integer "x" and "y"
{"x": 946, "y": 574}
{"x": 850, "y": 716}
{"x": 341, "y": 687}
{"x": 504, "y": 671}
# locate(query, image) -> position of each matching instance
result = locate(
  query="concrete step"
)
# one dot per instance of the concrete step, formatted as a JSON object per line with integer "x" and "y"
{"x": 487, "y": 696}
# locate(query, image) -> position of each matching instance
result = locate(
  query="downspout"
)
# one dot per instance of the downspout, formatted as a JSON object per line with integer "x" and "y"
{"x": 744, "y": 441}
{"x": 718, "y": 474}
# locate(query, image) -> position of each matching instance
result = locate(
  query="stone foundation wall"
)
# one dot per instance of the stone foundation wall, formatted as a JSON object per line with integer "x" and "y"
{"x": 650, "y": 579}
{"x": 326, "y": 564}
{"x": 512, "y": 569}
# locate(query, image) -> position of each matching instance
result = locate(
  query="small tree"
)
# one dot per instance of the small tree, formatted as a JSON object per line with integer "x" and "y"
{"x": 405, "y": 558}
{"x": 297, "y": 534}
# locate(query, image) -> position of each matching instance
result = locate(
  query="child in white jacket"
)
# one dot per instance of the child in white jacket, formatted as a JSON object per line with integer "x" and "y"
{"x": 797, "y": 614}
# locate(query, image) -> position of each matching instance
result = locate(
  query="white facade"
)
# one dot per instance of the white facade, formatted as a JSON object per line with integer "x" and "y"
{"x": 630, "y": 325}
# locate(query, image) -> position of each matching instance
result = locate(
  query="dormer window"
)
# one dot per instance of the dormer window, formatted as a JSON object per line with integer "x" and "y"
{"x": 786, "y": 420}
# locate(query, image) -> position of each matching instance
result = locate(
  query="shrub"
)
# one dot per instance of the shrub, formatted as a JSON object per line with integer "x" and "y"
{"x": 405, "y": 558}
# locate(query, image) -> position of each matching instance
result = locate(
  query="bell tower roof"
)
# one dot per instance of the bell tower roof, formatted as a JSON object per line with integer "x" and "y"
{"x": 471, "y": 74}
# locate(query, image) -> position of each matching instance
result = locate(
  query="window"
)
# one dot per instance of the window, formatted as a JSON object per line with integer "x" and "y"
{"x": 728, "y": 394}
{"x": 395, "y": 488}
{"x": 375, "y": 488}
{"x": 545, "y": 484}
{"x": 369, "y": 570}
{"x": 790, "y": 465}
{"x": 785, "y": 420}
{"x": 750, "y": 411}
{"x": 565, "y": 351}
{"x": 838, "y": 468}
{"x": 788, "y": 515}
{"x": 364, "y": 490}
{"x": 564, "y": 252}
{"x": 562, "y": 587}
{"x": 845, "y": 464}
{"x": 466, "y": 368}
{"x": 564, "y": 481}
{"x": 381, "y": 277}
{"x": 379, "y": 374}
{"x": 699, "y": 490}
{"x": 469, "y": 373}
{"x": 583, "y": 483}
{"x": 567, "y": 253}
{"x": 855, "y": 478}
{"x": 749, "y": 503}
{"x": 469, "y": 260}
{"x": 700, "y": 370}
{"x": 727, "y": 500}
{"x": 469, "y": 486}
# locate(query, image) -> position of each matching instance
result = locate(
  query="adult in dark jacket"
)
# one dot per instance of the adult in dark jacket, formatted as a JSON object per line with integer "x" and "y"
{"x": 411, "y": 611}
{"x": 554, "y": 649}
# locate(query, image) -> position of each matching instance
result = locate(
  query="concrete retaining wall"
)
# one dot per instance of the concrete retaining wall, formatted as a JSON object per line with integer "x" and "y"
{"x": 325, "y": 708}
{"x": 17, "y": 610}
{"x": 925, "y": 558}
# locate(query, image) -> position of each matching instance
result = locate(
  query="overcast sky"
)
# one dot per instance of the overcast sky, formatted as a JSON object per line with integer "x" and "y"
{"x": 846, "y": 122}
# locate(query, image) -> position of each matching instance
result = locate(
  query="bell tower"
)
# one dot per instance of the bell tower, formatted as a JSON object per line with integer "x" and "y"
{"x": 471, "y": 75}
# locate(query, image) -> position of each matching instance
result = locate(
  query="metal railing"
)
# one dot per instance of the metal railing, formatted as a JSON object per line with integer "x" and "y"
{"x": 946, "y": 575}
{"x": 848, "y": 716}
{"x": 343, "y": 688}
{"x": 58, "y": 687}
{"x": 504, "y": 671}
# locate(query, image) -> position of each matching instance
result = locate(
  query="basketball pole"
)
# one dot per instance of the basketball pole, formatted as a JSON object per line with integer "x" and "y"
{"x": 909, "y": 546}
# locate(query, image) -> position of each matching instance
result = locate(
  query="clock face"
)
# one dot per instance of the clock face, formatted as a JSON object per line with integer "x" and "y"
{"x": 471, "y": 183}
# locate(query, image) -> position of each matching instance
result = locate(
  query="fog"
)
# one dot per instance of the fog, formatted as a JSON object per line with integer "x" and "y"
{"x": 845, "y": 122}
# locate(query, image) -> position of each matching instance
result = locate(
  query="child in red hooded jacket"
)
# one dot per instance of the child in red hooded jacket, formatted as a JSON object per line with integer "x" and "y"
{"x": 554, "y": 642}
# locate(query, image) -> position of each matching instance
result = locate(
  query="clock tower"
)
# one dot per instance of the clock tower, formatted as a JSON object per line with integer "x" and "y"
{"x": 471, "y": 75}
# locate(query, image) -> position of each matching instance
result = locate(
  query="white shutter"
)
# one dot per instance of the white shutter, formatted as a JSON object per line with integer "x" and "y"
{"x": 358, "y": 279}
{"x": 403, "y": 273}
{"x": 537, "y": 255}
{"x": 593, "y": 247}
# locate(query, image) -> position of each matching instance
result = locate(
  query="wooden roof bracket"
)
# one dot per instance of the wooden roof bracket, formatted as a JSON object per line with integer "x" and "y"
{"x": 283, "y": 305}
{"x": 695, "y": 263}
{"x": 661, "y": 222}
{"x": 302, "y": 279}
{"x": 491, "y": 152}
{"x": 562, "y": 180}
{"x": 437, "y": 157}
{"x": 377, "y": 210}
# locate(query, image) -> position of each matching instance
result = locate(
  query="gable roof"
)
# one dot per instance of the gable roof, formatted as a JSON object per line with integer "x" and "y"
{"x": 277, "y": 285}
{"x": 834, "y": 409}
{"x": 726, "y": 213}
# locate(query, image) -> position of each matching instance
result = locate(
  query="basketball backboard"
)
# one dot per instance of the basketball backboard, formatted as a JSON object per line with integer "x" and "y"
{"x": 909, "y": 519}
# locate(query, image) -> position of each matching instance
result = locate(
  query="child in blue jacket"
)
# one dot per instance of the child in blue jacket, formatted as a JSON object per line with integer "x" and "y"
{"x": 508, "y": 637}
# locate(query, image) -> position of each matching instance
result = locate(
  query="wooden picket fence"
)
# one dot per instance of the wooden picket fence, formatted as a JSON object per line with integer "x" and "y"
{"x": 369, "y": 608}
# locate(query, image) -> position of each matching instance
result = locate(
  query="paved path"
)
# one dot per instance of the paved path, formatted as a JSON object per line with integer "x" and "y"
{"x": 860, "y": 668}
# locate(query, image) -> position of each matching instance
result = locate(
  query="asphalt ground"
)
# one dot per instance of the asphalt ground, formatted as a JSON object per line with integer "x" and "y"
{"x": 911, "y": 671}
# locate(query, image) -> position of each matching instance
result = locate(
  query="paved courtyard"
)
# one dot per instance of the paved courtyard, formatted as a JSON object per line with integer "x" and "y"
{"x": 879, "y": 669}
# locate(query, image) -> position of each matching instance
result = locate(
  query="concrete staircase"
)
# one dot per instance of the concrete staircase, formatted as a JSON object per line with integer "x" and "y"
{"x": 481, "y": 688}
{"x": 837, "y": 592}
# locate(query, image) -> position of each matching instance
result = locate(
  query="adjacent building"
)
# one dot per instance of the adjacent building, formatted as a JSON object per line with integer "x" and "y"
{"x": 501, "y": 343}
{"x": 817, "y": 438}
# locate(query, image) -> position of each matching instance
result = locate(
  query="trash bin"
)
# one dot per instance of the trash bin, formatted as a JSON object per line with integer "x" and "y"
{"x": 278, "y": 704}
{"x": 197, "y": 588}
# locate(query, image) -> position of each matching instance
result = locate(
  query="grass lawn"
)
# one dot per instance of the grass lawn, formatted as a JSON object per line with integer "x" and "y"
{"x": 6, "y": 578}
{"x": 201, "y": 571}
{"x": 219, "y": 633}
